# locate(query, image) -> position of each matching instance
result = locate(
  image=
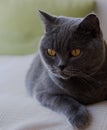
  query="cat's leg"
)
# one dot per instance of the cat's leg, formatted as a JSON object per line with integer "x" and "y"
{"x": 76, "y": 113}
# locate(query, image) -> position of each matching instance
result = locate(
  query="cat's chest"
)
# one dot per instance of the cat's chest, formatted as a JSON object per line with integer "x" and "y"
{"x": 86, "y": 91}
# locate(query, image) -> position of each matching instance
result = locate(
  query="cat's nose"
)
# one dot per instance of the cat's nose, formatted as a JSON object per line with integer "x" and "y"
{"x": 61, "y": 67}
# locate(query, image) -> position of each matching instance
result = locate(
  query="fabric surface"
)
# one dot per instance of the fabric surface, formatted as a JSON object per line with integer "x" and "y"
{"x": 20, "y": 112}
{"x": 20, "y": 25}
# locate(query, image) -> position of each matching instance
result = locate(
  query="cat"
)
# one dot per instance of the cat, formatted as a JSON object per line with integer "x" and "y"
{"x": 69, "y": 70}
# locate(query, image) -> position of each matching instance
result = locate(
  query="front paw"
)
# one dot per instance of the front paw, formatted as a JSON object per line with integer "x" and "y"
{"x": 81, "y": 119}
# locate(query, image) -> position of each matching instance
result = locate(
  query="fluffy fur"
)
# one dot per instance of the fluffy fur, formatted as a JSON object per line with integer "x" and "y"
{"x": 65, "y": 83}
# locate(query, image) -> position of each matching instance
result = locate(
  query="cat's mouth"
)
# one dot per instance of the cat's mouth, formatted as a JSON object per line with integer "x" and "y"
{"x": 65, "y": 74}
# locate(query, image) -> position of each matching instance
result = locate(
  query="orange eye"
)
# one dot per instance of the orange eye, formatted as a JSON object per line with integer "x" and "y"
{"x": 51, "y": 52}
{"x": 75, "y": 52}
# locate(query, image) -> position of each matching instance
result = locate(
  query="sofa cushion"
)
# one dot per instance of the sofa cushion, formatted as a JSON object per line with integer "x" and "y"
{"x": 20, "y": 112}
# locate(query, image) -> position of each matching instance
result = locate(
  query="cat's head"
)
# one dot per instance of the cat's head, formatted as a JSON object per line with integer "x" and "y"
{"x": 71, "y": 46}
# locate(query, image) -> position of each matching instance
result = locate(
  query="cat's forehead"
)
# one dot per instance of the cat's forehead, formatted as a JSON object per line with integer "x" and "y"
{"x": 67, "y": 26}
{"x": 64, "y": 34}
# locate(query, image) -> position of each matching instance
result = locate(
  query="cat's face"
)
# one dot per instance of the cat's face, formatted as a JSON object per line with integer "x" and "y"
{"x": 72, "y": 47}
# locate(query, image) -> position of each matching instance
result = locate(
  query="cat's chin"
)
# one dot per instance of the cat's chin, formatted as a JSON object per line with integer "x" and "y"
{"x": 60, "y": 75}
{"x": 65, "y": 78}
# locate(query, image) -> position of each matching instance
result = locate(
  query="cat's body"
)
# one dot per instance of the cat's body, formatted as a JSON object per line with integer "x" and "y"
{"x": 90, "y": 90}
{"x": 85, "y": 82}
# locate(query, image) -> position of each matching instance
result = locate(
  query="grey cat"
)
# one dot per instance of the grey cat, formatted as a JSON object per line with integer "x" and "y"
{"x": 70, "y": 68}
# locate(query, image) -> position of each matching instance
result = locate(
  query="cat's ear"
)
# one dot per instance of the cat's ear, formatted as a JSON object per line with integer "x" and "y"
{"x": 48, "y": 20}
{"x": 91, "y": 24}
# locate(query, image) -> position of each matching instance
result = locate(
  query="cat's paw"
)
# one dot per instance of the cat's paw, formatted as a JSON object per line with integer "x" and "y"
{"x": 81, "y": 120}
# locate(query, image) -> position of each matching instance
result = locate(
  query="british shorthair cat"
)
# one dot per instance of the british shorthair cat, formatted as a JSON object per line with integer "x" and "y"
{"x": 70, "y": 69}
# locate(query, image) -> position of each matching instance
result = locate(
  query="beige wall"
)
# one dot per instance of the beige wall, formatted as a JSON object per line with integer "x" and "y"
{"x": 102, "y": 13}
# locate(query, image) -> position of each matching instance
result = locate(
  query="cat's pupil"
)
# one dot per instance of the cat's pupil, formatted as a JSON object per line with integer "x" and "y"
{"x": 51, "y": 52}
{"x": 76, "y": 52}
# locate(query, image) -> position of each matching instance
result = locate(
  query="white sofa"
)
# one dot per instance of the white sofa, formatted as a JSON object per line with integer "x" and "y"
{"x": 19, "y": 112}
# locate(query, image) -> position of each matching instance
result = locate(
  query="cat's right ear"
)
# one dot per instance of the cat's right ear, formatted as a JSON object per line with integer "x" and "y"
{"x": 91, "y": 24}
{"x": 48, "y": 20}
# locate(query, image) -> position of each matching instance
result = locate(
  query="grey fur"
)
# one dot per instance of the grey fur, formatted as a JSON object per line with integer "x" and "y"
{"x": 83, "y": 79}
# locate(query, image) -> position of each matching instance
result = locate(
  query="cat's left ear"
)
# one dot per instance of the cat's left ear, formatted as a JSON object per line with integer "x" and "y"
{"x": 48, "y": 20}
{"x": 91, "y": 24}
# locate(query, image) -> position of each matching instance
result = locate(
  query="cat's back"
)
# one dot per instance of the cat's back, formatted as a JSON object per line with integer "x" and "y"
{"x": 34, "y": 74}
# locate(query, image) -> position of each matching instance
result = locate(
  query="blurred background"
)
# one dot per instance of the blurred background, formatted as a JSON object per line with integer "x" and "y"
{"x": 20, "y": 25}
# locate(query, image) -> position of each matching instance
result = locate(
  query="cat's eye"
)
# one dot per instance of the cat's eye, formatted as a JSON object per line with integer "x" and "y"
{"x": 51, "y": 52}
{"x": 75, "y": 52}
